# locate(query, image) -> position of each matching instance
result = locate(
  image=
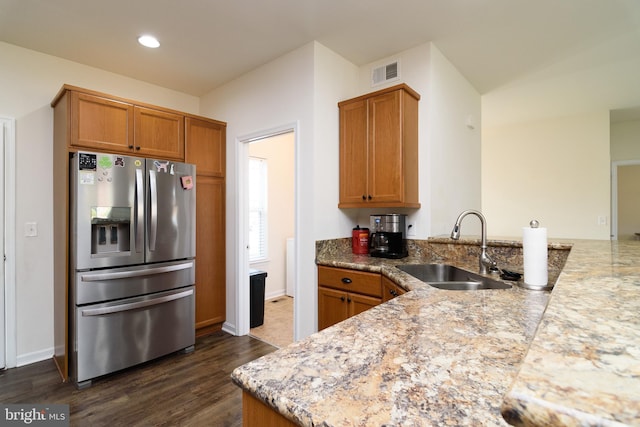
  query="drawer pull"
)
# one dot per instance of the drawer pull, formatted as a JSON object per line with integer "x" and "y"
{"x": 342, "y": 299}
{"x": 346, "y": 280}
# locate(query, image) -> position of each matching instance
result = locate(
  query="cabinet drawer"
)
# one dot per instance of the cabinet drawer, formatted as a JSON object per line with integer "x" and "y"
{"x": 350, "y": 280}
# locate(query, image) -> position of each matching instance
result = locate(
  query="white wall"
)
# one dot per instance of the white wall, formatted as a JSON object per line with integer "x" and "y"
{"x": 562, "y": 103}
{"x": 454, "y": 166}
{"x": 276, "y": 94}
{"x": 302, "y": 87}
{"x": 557, "y": 119}
{"x": 335, "y": 79}
{"x": 553, "y": 170}
{"x": 305, "y": 86}
{"x": 625, "y": 140}
{"x": 571, "y": 86}
{"x": 28, "y": 83}
{"x": 449, "y": 152}
{"x": 279, "y": 154}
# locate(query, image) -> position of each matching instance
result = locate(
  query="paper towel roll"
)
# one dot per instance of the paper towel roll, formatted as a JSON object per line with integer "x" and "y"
{"x": 534, "y": 251}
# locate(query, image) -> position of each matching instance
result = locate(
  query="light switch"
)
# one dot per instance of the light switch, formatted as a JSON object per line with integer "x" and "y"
{"x": 30, "y": 229}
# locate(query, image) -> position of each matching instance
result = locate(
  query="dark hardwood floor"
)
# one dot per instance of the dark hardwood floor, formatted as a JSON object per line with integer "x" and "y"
{"x": 193, "y": 389}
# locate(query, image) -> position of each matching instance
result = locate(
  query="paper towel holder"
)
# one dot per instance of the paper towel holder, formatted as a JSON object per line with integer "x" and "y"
{"x": 535, "y": 224}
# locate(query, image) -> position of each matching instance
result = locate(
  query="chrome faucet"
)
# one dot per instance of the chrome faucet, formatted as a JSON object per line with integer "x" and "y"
{"x": 487, "y": 265}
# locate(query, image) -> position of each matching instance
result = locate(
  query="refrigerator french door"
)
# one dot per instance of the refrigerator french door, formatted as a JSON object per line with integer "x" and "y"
{"x": 132, "y": 268}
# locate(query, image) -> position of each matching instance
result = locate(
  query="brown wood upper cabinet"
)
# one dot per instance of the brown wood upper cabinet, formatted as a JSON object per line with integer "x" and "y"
{"x": 105, "y": 123}
{"x": 100, "y": 123}
{"x": 158, "y": 134}
{"x": 379, "y": 149}
{"x": 205, "y": 141}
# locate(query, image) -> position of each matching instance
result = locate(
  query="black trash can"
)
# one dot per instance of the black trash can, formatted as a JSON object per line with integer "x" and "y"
{"x": 257, "y": 281}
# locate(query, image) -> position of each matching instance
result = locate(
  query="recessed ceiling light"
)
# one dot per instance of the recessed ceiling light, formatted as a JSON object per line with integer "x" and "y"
{"x": 148, "y": 41}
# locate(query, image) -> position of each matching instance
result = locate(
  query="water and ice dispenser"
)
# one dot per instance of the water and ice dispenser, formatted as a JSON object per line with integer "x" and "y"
{"x": 110, "y": 230}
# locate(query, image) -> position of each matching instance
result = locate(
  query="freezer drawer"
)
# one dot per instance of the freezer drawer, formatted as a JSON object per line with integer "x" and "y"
{"x": 116, "y": 335}
{"x": 116, "y": 283}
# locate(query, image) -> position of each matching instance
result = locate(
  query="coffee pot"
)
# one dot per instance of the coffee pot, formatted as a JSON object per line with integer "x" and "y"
{"x": 387, "y": 236}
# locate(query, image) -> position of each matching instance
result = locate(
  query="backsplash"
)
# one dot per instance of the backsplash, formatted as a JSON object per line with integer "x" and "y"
{"x": 463, "y": 253}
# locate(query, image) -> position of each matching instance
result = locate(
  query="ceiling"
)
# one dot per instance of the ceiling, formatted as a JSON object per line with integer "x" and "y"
{"x": 206, "y": 43}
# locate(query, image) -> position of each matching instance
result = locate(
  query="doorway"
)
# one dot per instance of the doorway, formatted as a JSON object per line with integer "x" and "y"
{"x": 8, "y": 341}
{"x": 270, "y": 233}
{"x": 625, "y": 206}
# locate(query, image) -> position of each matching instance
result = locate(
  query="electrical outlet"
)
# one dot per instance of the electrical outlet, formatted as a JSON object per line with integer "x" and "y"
{"x": 602, "y": 220}
{"x": 411, "y": 230}
{"x": 30, "y": 229}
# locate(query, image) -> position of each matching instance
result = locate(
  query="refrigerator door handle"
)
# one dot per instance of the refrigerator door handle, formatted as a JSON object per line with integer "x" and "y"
{"x": 99, "y": 277}
{"x": 153, "y": 220}
{"x": 135, "y": 305}
{"x": 139, "y": 210}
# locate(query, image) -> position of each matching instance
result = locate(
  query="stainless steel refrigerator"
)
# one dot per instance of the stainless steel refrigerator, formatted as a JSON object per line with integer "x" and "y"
{"x": 131, "y": 255}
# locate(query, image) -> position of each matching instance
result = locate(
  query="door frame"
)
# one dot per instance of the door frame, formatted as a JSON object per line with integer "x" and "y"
{"x": 614, "y": 193}
{"x": 242, "y": 230}
{"x": 9, "y": 344}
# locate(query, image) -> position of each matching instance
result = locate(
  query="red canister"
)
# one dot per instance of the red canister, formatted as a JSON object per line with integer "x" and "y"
{"x": 360, "y": 240}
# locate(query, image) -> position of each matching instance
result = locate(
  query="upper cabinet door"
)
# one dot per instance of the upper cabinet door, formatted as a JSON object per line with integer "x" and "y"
{"x": 385, "y": 149}
{"x": 100, "y": 123}
{"x": 353, "y": 152}
{"x": 159, "y": 134}
{"x": 379, "y": 149}
{"x": 205, "y": 146}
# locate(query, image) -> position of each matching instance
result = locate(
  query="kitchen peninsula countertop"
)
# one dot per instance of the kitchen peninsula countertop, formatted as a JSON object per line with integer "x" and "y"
{"x": 435, "y": 357}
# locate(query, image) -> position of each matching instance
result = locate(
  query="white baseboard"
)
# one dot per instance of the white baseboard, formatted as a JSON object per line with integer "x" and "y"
{"x": 229, "y": 328}
{"x": 36, "y": 356}
{"x": 274, "y": 294}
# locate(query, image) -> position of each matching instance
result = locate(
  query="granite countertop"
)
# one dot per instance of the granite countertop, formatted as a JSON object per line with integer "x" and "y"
{"x": 583, "y": 366}
{"x": 435, "y": 357}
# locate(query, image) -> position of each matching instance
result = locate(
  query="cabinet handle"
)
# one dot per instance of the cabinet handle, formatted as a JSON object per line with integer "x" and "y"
{"x": 137, "y": 147}
{"x": 342, "y": 299}
{"x": 392, "y": 292}
{"x": 131, "y": 147}
{"x": 348, "y": 299}
{"x": 346, "y": 280}
{"x": 370, "y": 197}
{"x": 364, "y": 197}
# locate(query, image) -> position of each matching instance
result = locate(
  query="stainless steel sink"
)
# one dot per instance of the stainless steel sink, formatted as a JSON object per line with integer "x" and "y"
{"x": 444, "y": 276}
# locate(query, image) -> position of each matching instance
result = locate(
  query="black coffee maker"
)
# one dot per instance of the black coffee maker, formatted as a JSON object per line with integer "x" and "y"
{"x": 387, "y": 236}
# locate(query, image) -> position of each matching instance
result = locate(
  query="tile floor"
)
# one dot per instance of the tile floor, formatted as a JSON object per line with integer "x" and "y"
{"x": 277, "y": 328}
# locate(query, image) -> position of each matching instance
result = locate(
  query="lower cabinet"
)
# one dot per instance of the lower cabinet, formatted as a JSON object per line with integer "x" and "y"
{"x": 210, "y": 255}
{"x": 390, "y": 290}
{"x": 256, "y": 414}
{"x": 343, "y": 293}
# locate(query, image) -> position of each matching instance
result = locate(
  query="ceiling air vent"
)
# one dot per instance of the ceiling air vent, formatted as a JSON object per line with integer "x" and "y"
{"x": 385, "y": 73}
